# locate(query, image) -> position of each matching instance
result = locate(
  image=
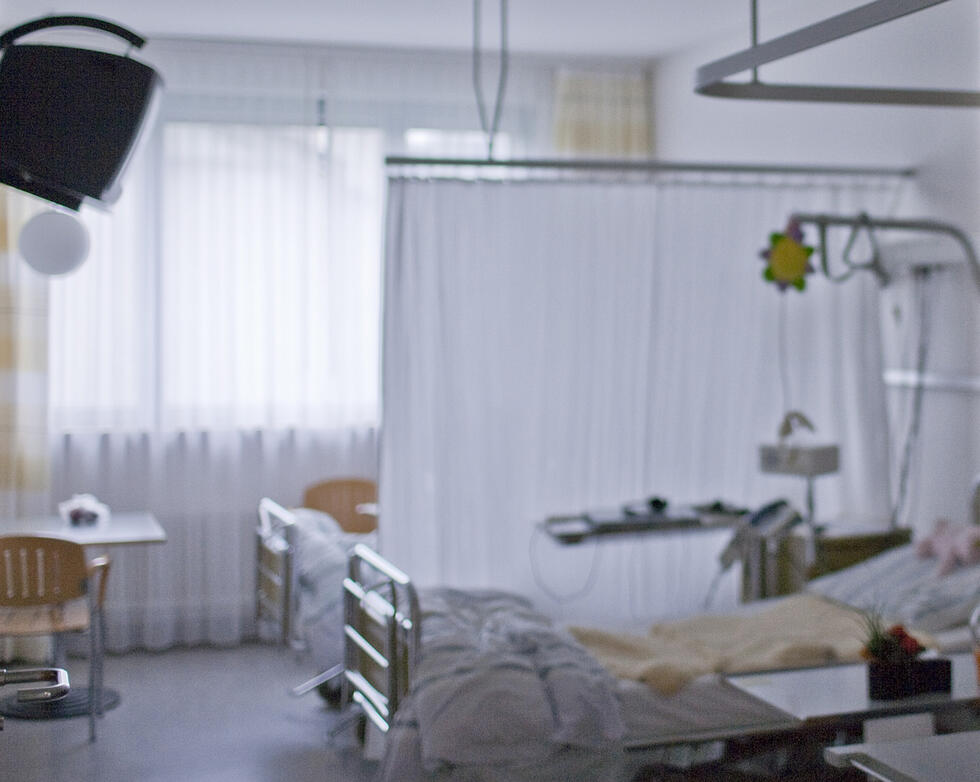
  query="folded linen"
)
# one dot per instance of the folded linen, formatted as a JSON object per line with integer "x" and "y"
{"x": 798, "y": 631}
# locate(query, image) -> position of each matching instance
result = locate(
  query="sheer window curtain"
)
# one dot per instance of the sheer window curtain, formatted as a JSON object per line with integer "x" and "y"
{"x": 220, "y": 345}
{"x": 577, "y": 344}
{"x": 603, "y": 114}
{"x": 222, "y": 341}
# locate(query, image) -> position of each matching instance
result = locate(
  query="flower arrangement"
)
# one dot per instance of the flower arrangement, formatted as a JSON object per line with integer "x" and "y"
{"x": 892, "y": 645}
{"x": 895, "y": 668}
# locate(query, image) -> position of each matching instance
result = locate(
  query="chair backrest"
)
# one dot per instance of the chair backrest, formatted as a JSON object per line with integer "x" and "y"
{"x": 340, "y": 497}
{"x": 38, "y": 570}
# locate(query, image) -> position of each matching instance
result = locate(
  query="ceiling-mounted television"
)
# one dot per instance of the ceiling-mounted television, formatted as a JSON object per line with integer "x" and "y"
{"x": 70, "y": 118}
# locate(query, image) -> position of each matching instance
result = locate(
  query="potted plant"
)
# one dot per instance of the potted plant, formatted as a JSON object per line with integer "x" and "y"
{"x": 895, "y": 666}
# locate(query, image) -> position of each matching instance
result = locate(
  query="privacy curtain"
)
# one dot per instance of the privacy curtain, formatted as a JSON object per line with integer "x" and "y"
{"x": 557, "y": 346}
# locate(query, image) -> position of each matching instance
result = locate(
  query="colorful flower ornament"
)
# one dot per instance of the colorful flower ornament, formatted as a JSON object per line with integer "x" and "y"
{"x": 894, "y": 645}
{"x": 788, "y": 258}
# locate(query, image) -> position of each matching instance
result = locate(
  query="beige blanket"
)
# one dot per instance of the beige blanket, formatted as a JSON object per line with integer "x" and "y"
{"x": 800, "y": 631}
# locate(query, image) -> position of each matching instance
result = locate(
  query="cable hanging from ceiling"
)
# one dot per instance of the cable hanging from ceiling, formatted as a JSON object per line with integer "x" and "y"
{"x": 490, "y": 127}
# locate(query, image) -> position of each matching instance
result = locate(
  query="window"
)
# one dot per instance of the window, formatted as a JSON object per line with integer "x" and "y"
{"x": 236, "y": 284}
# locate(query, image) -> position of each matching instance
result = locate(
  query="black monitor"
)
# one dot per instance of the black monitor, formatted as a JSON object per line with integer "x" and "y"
{"x": 69, "y": 117}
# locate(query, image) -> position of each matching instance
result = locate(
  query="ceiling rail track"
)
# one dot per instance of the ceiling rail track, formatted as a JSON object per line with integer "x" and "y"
{"x": 710, "y": 79}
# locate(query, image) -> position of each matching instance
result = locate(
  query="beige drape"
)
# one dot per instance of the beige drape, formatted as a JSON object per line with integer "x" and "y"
{"x": 603, "y": 114}
{"x": 23, "y": 383}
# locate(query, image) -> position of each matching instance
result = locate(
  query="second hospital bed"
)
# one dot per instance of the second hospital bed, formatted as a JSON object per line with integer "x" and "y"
{"x": 478, "y": 685}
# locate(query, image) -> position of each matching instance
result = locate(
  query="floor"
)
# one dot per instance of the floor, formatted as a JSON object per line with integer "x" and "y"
{"x": 201, "y": 715}
{"x": 218, "y": 715}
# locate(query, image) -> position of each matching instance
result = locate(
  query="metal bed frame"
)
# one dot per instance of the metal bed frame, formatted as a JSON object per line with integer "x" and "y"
{"x": 382, "y": 637}
{"x": 275, "y": 588}
{"x": 382, "y": 625}
{"x": 382, "y": 630}
{"x": 381, "y": 617}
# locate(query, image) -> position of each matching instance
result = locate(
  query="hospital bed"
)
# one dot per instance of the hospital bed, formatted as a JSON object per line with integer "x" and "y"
{"x": 540, "y": 707}
{"x": 301, "y": 561}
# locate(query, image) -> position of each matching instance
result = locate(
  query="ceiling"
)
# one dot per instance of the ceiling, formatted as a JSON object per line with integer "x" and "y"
{"x": 601, "y": 28}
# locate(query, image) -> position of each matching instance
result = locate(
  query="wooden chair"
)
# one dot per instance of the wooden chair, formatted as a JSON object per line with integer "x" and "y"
{"x": 351, "y": 501}
{"x": 48, "y": 588}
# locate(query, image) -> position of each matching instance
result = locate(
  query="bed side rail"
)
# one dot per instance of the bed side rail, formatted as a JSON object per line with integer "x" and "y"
{"x": 275, "y": 593}
{"x": 382, "y": 623}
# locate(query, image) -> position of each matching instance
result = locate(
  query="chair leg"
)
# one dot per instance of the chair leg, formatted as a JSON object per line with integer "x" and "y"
{"x": 58, "y": 656}
{"x": 93, "y": 677}
{"x": 100, "y": 659}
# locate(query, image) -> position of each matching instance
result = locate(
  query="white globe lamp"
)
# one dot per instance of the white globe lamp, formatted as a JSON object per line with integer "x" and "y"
{"x": 54, "y": 243}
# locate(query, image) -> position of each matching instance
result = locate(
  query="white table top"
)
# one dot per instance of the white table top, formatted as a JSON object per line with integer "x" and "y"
{"x": 827, "y": 694}
{"x": 121, "y": 529}
{"x": 954, "y": 757}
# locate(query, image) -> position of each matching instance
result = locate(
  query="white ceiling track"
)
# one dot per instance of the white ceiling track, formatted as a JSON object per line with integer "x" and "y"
{"x": 710, "y": 78}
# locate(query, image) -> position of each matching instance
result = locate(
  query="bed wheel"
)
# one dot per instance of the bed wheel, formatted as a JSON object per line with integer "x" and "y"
{"x": 331, "y": 693}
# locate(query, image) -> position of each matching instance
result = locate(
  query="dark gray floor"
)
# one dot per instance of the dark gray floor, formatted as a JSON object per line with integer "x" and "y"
{"x": 201, "y": 715}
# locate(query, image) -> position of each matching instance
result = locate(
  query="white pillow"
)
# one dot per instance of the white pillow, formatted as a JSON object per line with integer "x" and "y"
{"x": 310, "y": 521}
{"x": 904, "y": 587}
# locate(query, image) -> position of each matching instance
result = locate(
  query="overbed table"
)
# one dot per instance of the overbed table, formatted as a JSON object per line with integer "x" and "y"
{"x": 121, "y": 529}
{"x": 839, "y": 693}
{"x": 953, "y": 757}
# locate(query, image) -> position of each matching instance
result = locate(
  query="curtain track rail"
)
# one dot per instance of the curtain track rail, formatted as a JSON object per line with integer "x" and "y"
{"x": 653, "y": 166}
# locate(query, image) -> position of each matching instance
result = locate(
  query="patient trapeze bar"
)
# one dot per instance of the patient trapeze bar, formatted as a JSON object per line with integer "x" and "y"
{"x": 860, "y": 222}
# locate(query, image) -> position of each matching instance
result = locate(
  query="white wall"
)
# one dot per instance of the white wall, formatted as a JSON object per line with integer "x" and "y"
{"x": 936, "y": 48}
